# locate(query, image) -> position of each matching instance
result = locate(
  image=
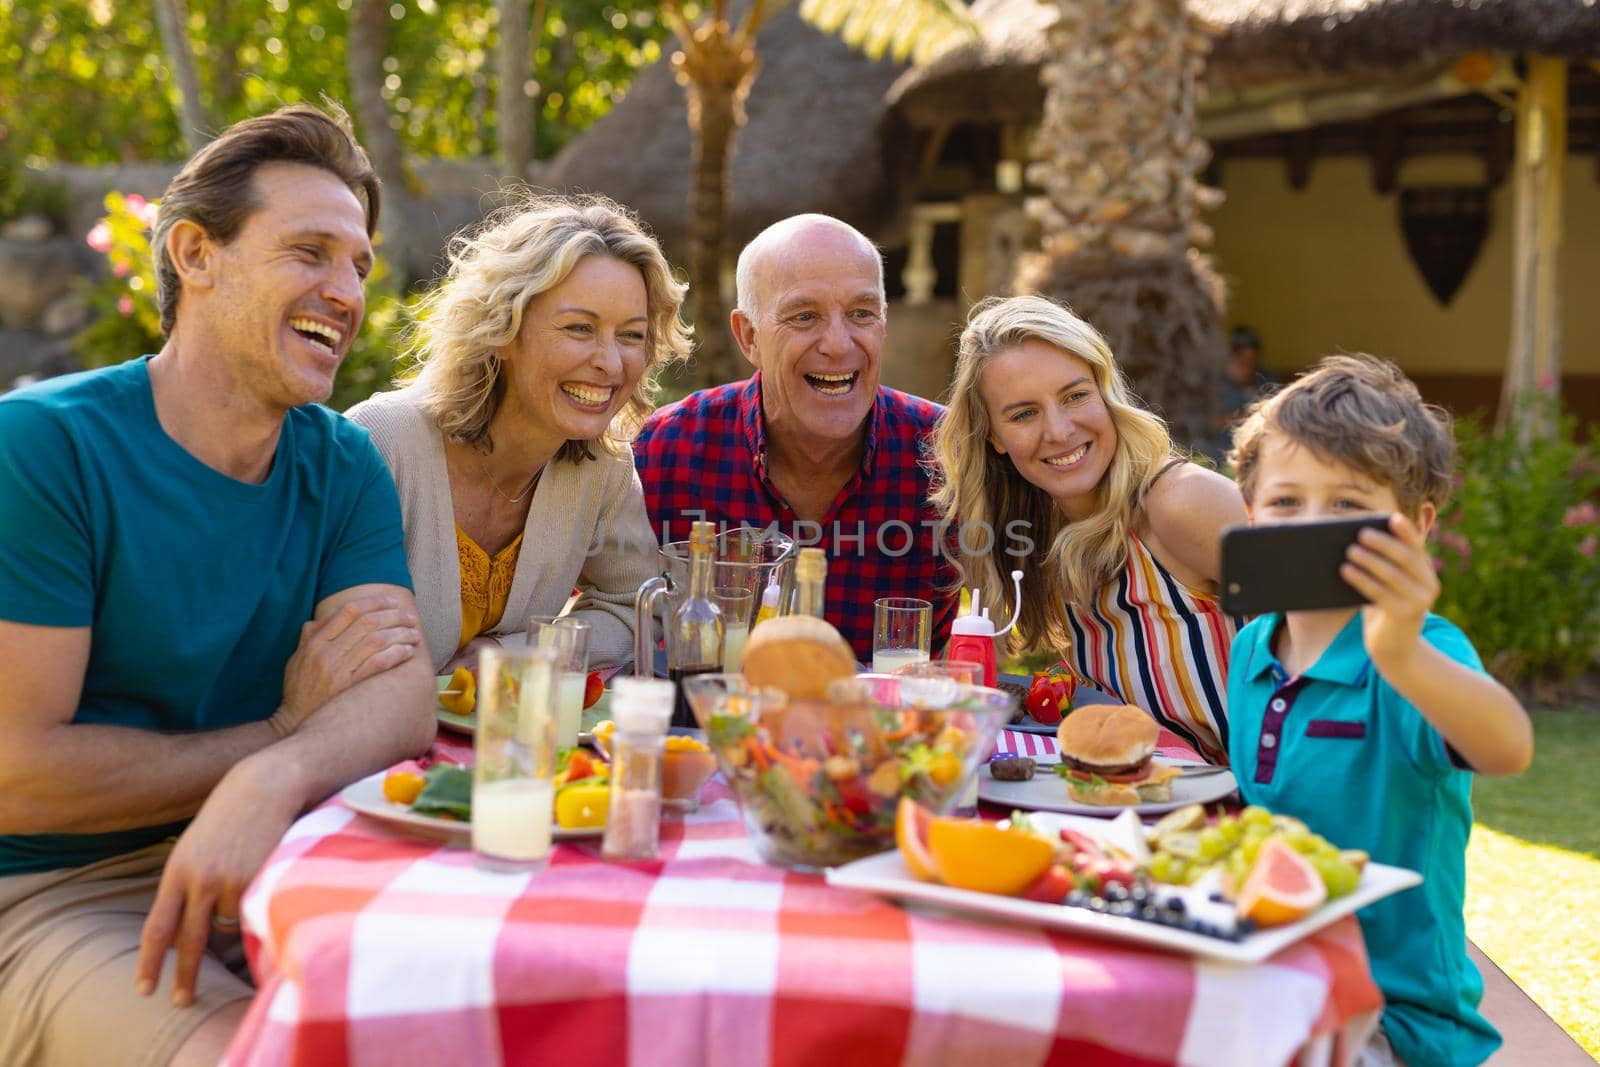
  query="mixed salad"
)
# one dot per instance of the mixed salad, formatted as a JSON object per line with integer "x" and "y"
{"x": 818, "y": 785}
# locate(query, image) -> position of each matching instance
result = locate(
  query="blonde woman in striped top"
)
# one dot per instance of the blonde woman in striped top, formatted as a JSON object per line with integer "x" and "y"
{"x": 1049, "y": 464}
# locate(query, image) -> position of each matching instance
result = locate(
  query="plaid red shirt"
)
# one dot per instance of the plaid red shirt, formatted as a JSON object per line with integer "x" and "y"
{"x": 705, "y": 457}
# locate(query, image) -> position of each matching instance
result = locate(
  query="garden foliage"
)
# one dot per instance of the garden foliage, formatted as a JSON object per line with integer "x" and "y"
{"x": 1517, "y": 548}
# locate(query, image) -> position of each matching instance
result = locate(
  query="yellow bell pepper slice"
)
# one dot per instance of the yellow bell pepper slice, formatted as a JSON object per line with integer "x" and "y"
{"x": 579, "y": 806}
{"x": 464, "y": 699}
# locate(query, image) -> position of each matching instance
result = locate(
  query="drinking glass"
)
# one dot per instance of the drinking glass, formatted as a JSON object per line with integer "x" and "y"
{"x": 568, "y": 639}
{"x": 513, "y": 797}
{"x": 737, "y": 609}
{"x": 901, "y": 628}
{"x": 936, "y": 683}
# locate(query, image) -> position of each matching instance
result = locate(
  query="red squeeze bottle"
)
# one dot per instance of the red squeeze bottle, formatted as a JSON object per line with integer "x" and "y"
{"x": 972, "y": 635}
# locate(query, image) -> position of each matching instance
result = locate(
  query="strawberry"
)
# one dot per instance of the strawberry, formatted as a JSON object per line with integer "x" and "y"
{"x": 593, "y": 686}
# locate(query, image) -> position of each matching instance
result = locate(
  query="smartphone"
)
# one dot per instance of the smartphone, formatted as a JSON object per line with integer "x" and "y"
{"x": 1290, "y": 567}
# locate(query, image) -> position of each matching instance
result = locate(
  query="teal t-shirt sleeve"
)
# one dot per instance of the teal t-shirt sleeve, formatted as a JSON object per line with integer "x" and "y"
{"x": 370, "y": 546}
{"x": 46, "y": 547}
{"x": 1424, "y": 743}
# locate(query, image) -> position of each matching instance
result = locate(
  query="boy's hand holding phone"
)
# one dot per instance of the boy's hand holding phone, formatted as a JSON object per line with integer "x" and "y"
{"x": 1394, "y": 571}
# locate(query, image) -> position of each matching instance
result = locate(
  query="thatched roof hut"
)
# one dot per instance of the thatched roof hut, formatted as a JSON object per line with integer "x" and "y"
{"x": 1260, "y": 42}
{"x": 812, "y": 142}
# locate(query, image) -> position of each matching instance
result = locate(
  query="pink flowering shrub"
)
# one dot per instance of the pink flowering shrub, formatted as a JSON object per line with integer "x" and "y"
{"x": 126, "y": 322}
{"x": 1517, "y": 550}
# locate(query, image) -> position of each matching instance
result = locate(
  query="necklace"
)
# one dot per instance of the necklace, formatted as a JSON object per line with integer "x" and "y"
{"x": 489, "y": 477}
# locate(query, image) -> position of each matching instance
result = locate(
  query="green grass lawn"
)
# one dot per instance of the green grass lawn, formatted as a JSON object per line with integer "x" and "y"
{"x": 1533, "y": 872}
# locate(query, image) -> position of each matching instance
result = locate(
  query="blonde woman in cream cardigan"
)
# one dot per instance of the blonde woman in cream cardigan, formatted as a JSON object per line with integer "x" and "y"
{"x": 516, "y": 481}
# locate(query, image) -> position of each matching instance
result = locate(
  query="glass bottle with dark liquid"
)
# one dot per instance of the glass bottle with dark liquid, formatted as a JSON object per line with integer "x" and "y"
{"x": 697, "y": 630}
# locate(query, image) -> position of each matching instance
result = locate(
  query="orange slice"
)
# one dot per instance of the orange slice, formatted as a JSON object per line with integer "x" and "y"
{"x": 987, "y": 857}
{"x": 911, "y": 834}
{"x": 1282, "y": 886}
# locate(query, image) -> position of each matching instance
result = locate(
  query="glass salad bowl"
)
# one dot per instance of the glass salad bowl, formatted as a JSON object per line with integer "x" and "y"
{"x": 819, "y": 782}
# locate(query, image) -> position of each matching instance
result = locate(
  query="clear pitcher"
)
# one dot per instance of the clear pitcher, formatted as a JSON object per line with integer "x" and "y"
{"x": 748, "y": 559}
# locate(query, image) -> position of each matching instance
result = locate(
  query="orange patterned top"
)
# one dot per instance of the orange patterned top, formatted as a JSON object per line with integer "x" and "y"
{"x": 485, "y": 584}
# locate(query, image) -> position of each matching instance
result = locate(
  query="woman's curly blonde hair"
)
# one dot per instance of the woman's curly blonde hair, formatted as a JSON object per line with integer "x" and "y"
{"x": 517, "y": 253}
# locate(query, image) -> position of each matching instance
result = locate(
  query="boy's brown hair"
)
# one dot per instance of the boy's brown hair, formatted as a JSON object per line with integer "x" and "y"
{"x": 1363, "y": 412}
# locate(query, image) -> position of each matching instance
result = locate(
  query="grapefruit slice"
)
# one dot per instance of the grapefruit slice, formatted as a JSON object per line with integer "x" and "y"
{"x": 987, "y": 857}
{"x": 1282, "y": 886}
{"x": 911, "y": 834}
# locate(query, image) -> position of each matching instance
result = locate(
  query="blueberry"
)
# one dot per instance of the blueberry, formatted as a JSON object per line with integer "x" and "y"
{"x": 1246, "y": 926}
{"x": 1078, "y": 898}
{"x": 1125, "y": 908}
{"x": 1139, "y": 894}
{"x": 1217, "y": 898}
{"x": 1097, "y": 904}
{"x": 1115, "y": 892}
{"x": 1149, "y": 913}
{"x": 1176, "y": 905}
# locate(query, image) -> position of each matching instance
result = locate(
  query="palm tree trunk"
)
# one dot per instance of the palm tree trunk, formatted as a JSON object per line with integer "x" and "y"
{"x": 1118, "y": 157}
{"x": 516, "y": 111}
{"x": 173, "y": 18}
{"x": 365, "y": 47}
{"x": 716, "y": 67}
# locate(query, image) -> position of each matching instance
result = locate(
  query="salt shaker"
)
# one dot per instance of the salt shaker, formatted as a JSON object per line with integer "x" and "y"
{"x": 641, "y": 708}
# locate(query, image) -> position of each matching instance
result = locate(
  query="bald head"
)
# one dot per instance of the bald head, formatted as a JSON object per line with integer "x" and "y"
{"x": 782, "y": 239}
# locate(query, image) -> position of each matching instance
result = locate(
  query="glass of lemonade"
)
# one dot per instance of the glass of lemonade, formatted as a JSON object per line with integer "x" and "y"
{"x": 568, "y": 639}
{"x": 513, "y": 798}
{"x": 901, "y": 630}
{"x": 738, "y": 606}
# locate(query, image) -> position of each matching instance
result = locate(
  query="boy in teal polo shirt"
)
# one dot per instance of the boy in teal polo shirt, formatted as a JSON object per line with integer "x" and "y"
{"x": 1368, "y": 723}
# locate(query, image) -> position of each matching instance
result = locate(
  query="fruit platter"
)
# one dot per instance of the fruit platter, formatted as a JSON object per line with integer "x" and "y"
{"x": 1235, "y": 887}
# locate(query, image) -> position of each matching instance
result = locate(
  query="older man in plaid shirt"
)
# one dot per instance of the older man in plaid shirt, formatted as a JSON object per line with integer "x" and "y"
{"x": 811, "y": 441}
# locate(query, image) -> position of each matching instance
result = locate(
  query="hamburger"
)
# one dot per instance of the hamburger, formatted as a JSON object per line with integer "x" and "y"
{"x": 1105, "y": 756}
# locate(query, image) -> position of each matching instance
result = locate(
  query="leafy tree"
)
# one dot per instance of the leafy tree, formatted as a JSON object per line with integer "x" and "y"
{"x": 87, "y": 82}
{"x": 716, "y": 63}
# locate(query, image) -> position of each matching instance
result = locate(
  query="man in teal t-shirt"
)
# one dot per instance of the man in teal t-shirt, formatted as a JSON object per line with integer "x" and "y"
{"x": 206, "y": 621}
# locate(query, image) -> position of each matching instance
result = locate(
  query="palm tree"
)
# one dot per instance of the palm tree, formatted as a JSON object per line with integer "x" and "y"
{"x": 716, "y": 64}
{"x": 1118, "y": 158}
{"x": 172, "y": 16}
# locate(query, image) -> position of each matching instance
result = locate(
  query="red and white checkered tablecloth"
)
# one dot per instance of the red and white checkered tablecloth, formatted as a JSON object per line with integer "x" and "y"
{"x": 373, "y": 947}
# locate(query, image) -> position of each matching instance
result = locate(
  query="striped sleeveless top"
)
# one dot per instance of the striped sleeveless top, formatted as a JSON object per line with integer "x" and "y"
{"x": 1149, "y": 640}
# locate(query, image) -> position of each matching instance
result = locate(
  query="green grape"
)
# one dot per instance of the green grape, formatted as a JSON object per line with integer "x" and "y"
{"x": 1338, "y": 877}
{"x": 1213, "y": 845}
{"x": 1161, "y": 866}
{"x": 1230, "y": 828}
{"x": 1251, "y": 845}
{"x": 1237, "y": 866}
{"x": 1178, "y": 873}
{"x": 1302, "y": 841}
{"x": 1254, "y": 817}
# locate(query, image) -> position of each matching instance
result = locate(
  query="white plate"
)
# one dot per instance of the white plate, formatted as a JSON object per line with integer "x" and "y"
{"x": 366, "y": 796}
{"x": 1047, "y": 791}
{"x": 886, "y": 874}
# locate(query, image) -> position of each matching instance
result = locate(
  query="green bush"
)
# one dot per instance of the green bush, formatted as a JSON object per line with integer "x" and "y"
{"x": 1517, "y": 548}
{"x": 127, "y": 321}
